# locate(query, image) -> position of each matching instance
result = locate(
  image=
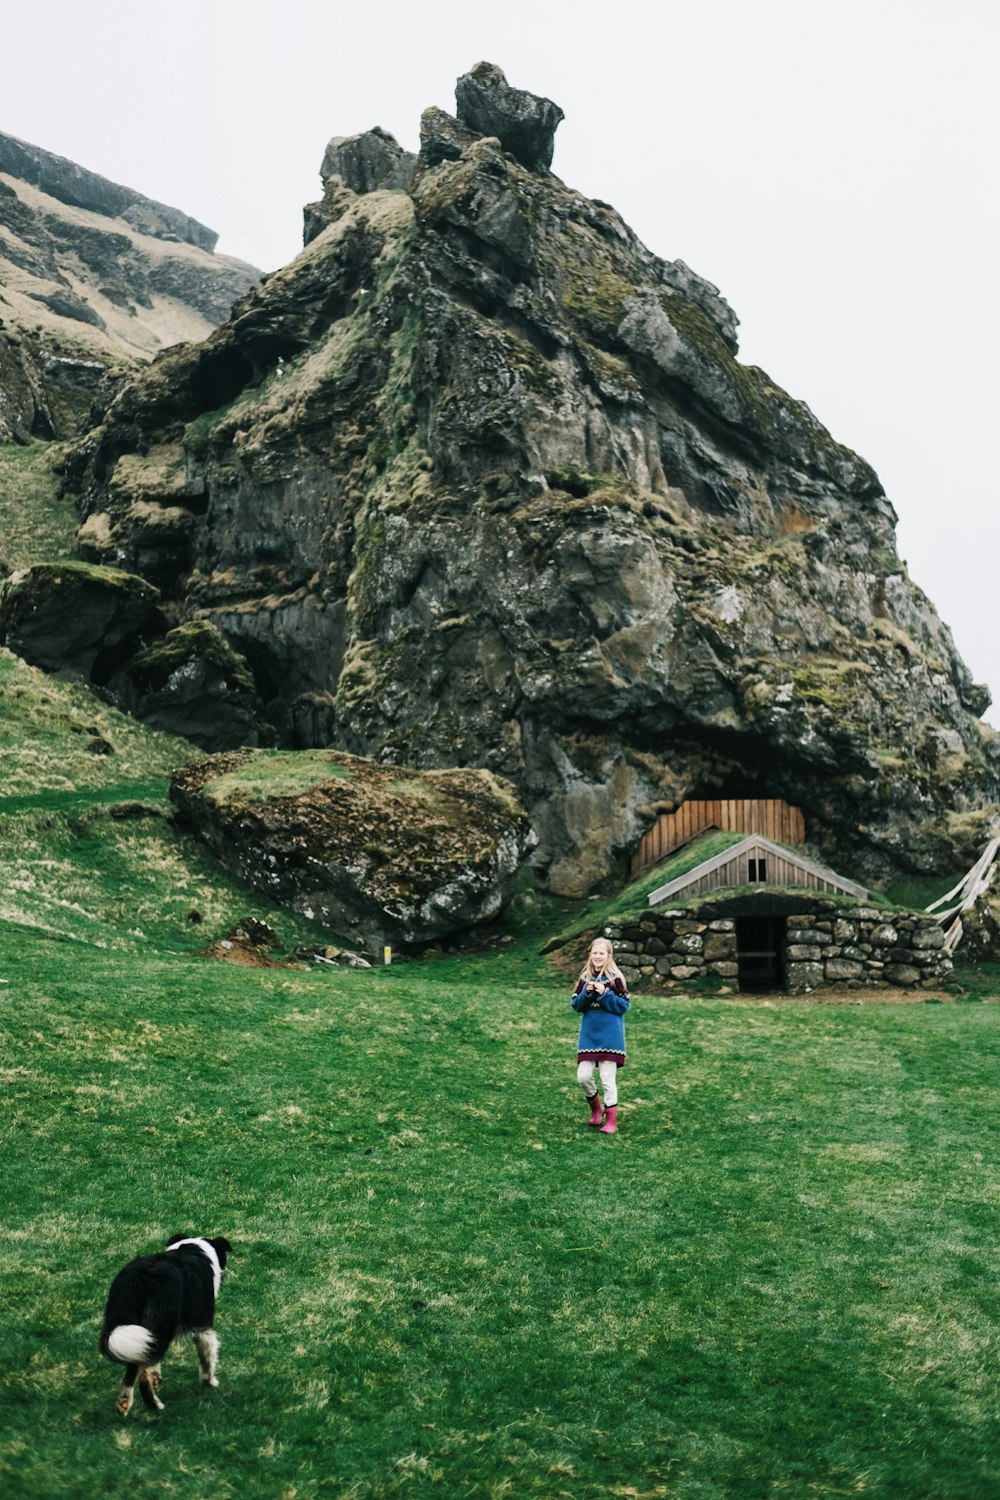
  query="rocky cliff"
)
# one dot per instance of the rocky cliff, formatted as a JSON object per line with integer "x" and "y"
{"x": 94, "y": 278}
{"x": 479, "y": 480}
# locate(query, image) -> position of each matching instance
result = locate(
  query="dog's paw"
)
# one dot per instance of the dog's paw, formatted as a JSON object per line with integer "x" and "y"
{"x": 209, "y": 1380}
{"x": 149, "y": 1379}
{"x": 124, "y": 1403}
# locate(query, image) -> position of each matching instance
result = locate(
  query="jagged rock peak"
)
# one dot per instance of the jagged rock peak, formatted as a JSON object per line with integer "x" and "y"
{"x": 367, "y": 162}
{"x": 525, "y": 124}
{"x": 487, "y": 109}
{"x": 68, "y": 183}
{"x": 357, "y": 164}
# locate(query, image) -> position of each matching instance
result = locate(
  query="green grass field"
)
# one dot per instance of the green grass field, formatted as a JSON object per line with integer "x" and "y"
{"x": 779, "y": 1279}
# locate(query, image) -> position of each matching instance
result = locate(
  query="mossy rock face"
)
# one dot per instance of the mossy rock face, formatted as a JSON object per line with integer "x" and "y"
{"x": 377, "y": 854}
{"x": 484, "y": 480}
{"x": 980, "y": 939}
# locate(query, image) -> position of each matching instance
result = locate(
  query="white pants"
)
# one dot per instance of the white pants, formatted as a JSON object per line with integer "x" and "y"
{"x": 609, "y": 1079}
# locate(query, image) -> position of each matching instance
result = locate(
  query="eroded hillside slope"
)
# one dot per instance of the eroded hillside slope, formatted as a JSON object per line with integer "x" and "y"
{"x": 94, "y": 278}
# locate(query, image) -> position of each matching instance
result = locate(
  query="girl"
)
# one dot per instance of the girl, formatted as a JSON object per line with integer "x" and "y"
{"x": 602, "y": 998}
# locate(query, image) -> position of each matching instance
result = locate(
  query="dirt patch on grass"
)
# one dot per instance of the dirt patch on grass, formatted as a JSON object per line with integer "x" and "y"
{"x": 241, "y": 951}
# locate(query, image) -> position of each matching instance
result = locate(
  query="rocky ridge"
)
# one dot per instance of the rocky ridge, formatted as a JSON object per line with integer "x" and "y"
{"x": 94, "y": 278}
{"x": 479, "y": 480}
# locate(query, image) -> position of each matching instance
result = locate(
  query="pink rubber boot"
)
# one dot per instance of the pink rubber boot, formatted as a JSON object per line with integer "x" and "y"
{"x": 610, "y": 1126}
{"x": 596, "y": 1110}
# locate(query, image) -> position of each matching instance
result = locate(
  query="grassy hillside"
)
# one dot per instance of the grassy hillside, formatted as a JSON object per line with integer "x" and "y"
{"x": 88, "y": 847}
{"x": 35, "y": 525}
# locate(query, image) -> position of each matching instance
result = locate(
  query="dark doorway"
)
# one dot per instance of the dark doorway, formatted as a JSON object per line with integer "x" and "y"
{"x": 760, "y": 950}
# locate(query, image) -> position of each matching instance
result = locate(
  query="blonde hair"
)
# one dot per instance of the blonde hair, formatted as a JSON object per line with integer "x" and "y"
{"x": 610, "y": 968}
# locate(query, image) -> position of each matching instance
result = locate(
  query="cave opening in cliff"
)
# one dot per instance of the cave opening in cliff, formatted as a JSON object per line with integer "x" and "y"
{"x": 760, "y": 949}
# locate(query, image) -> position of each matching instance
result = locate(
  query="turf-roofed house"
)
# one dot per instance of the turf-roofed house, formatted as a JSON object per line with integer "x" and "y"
{"x": 722, "y": 892}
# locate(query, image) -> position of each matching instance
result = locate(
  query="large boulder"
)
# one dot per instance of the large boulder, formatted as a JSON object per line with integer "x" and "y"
{"x": 376, "y": 854}
{"x": 107, "y": 628}
{"x": 524, "y": 123}
{"x": 192, "y": 683}
{"x": 364, "y": 163}
{"x": 78, "y": 620}
{"x": 355, "y": 164}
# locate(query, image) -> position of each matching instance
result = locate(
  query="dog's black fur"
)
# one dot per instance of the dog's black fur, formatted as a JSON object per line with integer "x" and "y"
{"x": 156, "y": 1299}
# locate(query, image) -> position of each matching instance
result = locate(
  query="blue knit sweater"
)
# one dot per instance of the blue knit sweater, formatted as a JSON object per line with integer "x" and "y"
{"x": 602, "y": 1029}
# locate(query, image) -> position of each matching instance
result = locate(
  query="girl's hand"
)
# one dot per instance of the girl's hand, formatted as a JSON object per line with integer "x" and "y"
{"x": 598, "y": 988}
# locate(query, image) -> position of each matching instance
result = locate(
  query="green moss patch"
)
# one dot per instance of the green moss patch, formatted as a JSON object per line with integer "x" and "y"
{"x": 919, "y": 891}
{"x": 277, "y": 773}
{"x": 98, "y": 573}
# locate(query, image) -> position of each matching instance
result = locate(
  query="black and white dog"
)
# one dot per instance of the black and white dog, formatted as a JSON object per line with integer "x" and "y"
{"x": 156, "y": 1299}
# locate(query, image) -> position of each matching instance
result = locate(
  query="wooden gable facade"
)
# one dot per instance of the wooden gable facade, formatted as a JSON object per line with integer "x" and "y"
{"x": 756, "y": 861}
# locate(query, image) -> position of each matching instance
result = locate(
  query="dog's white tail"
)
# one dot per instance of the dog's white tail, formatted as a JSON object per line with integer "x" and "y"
{"x": 131, "y": 1343}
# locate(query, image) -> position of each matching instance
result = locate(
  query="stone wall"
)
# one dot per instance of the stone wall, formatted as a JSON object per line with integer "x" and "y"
{"x": 849, "y": 947}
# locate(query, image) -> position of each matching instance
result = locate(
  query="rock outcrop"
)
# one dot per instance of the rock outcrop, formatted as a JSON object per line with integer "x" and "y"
{"x": 106, "y": 628}
{"x": 377, "y": 854}
{"x": 479, "y": 480}
{"x": 192, "y": 682}
{"x": 94, "y": 278}
{"x": 523, "y": 124}
{"x": 357, "y": 164}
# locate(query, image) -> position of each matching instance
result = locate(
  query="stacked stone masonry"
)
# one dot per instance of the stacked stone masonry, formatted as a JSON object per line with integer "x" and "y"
{"x": 858, "y": 947}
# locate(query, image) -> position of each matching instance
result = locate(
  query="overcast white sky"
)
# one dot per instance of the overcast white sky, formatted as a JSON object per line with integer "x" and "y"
{"x": 829, "y": 164}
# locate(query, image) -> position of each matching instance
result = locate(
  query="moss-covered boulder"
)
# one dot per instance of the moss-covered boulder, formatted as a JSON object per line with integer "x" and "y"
{"x": 78, "y": 620}
{"x": 376, "y": 854}
{"x": 192, "y": 682}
